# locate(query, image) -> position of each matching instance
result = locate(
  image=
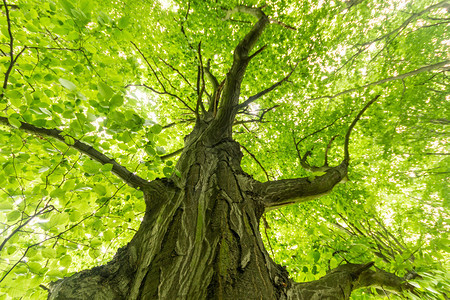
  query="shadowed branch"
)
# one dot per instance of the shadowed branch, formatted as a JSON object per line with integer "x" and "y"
{"x": 341, "y": 281}
{"x": 123, "y": 173}
{"x": 276, "y": 194}
{"x": 164, "y": 92}
{"x": 266, "y": 91}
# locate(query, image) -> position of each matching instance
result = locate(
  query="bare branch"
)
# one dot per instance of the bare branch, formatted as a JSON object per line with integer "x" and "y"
{"x": 178, "y": 122}
{"x": 11, "y": 6}
{"x": 18, "y": 228}
{"x": 159, "y": 81}
{"x": 264, "y": 92}
{"x": 211, "y": 77}
{"x": 231, "y": 90}
{"x": 260, "y": 119}
{"x": 257, "y": 161}
{"x": 401, "y": 76}
{"x": 317, "y": 131}
{"x": 12, "y": 59}
{"x": 176, "y": 70}
{"x": 258, "y": 51}
{"x": 282, "y": 24}
{"x": 162, "y": 93}
{"x": 170, "y": 155}
{"x": 128, "y": 177}
{"x": 303, "y": 158}
{"x": 200, "y": 82}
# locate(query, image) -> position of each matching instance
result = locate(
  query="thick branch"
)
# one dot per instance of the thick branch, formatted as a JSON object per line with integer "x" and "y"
{"x": 123, "y": 173}
{"x": 212, "y": 79}
{"x": 401, "y": 76}
{"x": 276, "y": 194}
{"x": 231, "y": 90}
{"x": 340, "y": 282}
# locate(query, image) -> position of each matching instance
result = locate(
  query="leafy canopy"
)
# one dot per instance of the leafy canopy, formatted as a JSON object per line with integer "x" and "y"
{"x": 120, "y": 76}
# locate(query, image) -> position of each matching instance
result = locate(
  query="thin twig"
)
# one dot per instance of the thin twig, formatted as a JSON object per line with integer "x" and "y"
{"x": 257, "y": 161}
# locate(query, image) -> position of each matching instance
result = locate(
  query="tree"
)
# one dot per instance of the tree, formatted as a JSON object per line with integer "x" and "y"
{"x": 303, "y": 96}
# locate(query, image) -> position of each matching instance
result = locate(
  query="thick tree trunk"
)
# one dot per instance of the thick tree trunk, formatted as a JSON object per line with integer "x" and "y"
{"x": 199, "y": 239}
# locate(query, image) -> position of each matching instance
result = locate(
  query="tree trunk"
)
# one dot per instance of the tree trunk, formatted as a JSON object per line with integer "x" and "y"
{"x": 199, "y": 239}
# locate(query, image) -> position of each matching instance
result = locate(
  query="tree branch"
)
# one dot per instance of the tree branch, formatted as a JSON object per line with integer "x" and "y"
{"x": 200, "y": 82}
{"x": 172, "y": 154}
{"x": 349, "y": 131}
{"x": 407, "y": 21}
{"x": 264, "y": 92}
{"x": 231, "y": 91}
{"x": 176, "y": 70}
{"x": 341, "y": 281}
{"x": 12, "y": 59}
{"x": 162, "y": 93}
{"x": 283, "y": 24}
{"x": 401, "y": 76}
{"x": 159, "y": 81}
{"x": 257, "y": 161}
{"x": 260, "y": 118}
{"x": 283, "y": 192}
{"x": 276, "y": 194}
{"x": 128, "y": 177}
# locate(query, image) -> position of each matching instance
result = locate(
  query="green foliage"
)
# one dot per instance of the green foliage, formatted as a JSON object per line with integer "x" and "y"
{"x": 80, "y": 70}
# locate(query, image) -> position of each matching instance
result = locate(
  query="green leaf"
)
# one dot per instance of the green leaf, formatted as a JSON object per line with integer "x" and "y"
{"x": 65, "y": 261}
{"x": 124, "y": 21}
{"x": 150, "y": 150}
{"x": 11, "y": 250}
{"x": 108, "y": 235}
{"x": 14, "y": 122}
{"x": 69, "y": 140}
{"x": 105, "y": 90}
{"x": 116, "y": 101}
{"x": 160, "y": 150}
{"x": 48, "y": 253}
{"x": 156, "y": 129}
{"x": 34, "y": 267}
{"x": 107, "y": 168}
{"x": 67, "y": 84}
{"x": 12, "y": 216}
{"x": 91, "y": 167}
{"x": 100, "y": 189}
{"x": 167, "y": 171}
{"x": 5, "y": 206}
